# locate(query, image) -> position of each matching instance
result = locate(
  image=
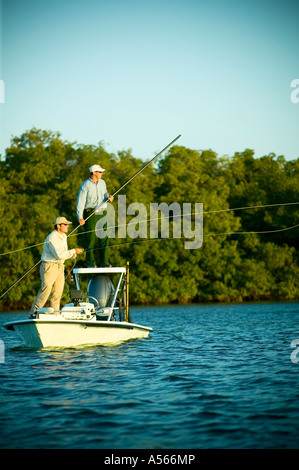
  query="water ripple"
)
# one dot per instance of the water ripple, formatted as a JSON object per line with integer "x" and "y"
{"x": 217, "y": 377}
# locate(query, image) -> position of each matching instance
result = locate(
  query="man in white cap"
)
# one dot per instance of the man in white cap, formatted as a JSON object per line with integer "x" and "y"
{"x": 55, "y": 252}
{"x": 91, "y": 195}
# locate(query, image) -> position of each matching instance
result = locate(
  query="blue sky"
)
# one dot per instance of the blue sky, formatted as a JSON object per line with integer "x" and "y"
{"x": 135, "y": 74}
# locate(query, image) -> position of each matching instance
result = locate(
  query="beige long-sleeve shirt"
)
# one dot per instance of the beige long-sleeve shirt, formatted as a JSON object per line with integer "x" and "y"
{"x": 55, "y": 248}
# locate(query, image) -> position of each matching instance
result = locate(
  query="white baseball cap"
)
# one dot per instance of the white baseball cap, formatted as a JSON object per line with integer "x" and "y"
{"x": 96, "y": 168}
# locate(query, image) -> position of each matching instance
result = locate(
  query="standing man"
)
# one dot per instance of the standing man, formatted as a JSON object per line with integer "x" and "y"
{"x": 55, "y": 251}
{"x": 91, "y": 194}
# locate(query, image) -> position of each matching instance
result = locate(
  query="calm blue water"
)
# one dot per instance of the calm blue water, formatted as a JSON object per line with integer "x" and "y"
{"x": 212, "y": 376}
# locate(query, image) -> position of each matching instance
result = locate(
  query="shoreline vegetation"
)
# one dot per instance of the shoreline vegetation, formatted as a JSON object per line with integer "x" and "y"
{"x": 40, "y": 177}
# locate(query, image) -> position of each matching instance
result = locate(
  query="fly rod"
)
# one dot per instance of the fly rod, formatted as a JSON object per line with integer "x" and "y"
{"x": 114, "y": 194}
{"x": 27, "y": 272}
{"x": 147, "y": 164}
{"x": 129, "y": 181}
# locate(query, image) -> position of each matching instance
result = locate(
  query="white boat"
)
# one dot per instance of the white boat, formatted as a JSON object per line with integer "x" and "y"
{"x": 99, "y": 318}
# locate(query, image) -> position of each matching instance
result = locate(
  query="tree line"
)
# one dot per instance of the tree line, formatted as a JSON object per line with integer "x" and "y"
{"x": 247, "y": 254}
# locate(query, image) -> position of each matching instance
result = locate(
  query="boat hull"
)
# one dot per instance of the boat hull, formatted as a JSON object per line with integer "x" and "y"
{"x": 38, "y": 333}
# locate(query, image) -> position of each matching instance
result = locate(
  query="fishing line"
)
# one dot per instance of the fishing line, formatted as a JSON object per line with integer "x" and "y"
{"x": 27, "y": 272}
{"x": 67, "y": 290}
{"x": 201, "y": 212}
{"x": 206, "y": 235}
{"x": 129, "y": 180}
{"x": 159, "y": 239}
{"x": 174, "y": 216}
{"x": 114, "y": 194}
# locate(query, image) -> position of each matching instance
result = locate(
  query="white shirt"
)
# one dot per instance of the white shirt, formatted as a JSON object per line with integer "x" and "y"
{"x": 55, "y": 248}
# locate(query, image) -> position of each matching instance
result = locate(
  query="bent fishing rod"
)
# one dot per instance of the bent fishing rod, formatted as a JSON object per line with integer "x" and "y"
{"x": 105, "y": 200}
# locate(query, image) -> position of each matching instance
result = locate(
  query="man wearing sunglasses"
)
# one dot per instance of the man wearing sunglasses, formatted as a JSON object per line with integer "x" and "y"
{"x": 91, "y": 197}
{"x": 55, "y": 252}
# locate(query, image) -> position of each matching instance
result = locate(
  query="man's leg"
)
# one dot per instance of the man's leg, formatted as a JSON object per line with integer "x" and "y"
{"x": 57, "y": 288}
{"x": 103, "y": 243}
{"x": 90, "y": 238}
{"x": 47, "y": 280}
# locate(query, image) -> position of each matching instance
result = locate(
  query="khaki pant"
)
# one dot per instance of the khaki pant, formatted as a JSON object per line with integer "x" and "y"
{"x": 52, "y": 277}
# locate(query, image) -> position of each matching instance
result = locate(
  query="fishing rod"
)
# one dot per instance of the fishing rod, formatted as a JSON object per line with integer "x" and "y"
{"x": 27, "y": 272}
{"x": 105, "y": 199}
{"x": 129, "y": 181}
{"x": 148, "y": 163}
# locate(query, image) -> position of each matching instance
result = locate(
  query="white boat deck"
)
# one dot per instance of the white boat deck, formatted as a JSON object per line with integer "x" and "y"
{"x": 98, "y": 270}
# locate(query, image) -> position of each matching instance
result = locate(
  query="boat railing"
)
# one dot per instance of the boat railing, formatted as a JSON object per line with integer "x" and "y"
{"x": 99, "y": 270}
{"x": 124, "y": 276}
